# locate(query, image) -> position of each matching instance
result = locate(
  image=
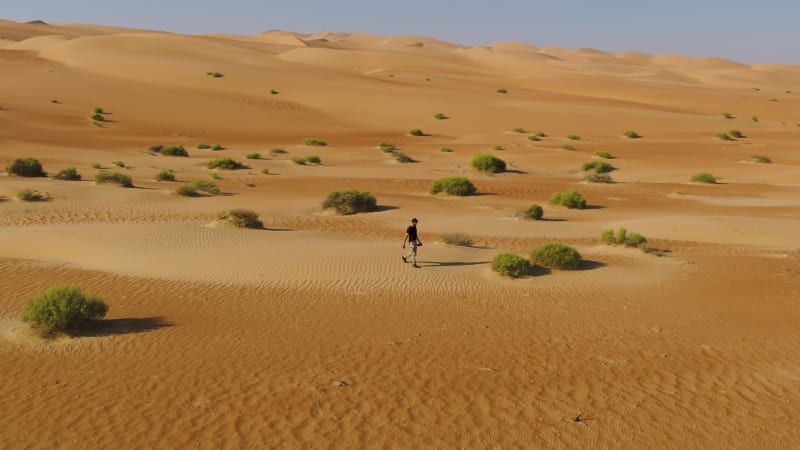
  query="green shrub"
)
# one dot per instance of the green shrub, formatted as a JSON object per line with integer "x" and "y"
{"x": 754, "y": 118}
{"x": 186, "y": 191}
{"x": 165, "y": 175}
{"x": 265, "y": 171}
{"x": 217, "y": 147}
{"x": 554, "y": 255}
{"x": 215, "y": 176}
{"x": 519, "y": 130}
{"x": 502, "y": 91}
{"x": 459, "y": 186}
{"x": 598, "y": 166}
{"x": 416, "y": 132}
{"x": 273, "y": 92}
{"x": 605, "y": 155}
{"x": 105, "y": 177}
{"x": 313, "y": 142}
{"x": 704, "y": 177}
{"x": 69, "y": 174}
{"x": 608, "y": 237}
{"x": 299, "y": 160}
{"x": 568, "y": 148}
{"x": 541, "y": 134}
{"x": 277, "y": 151}
{"x": 215, "y": 74}
{"x": 119, "y": 164}
{"x": 598, "y": 178}
{"x": 241, "y": 218}
{"x": 636, "y": 240}
{"x": 62, "y": 309}
{"x": 96, "y": 166}
{"x": 511, "y": 265}
{"x": 498, "y": 147}
{"x": 350, "y": 202}
{"x": 98, "y": 117}
{"x": 760, "y": 159}
{"x": 440, "y": 116}
{"x": 54, "y": 101}
{"x": 401, "y": 157}
{"x": 205, "y": 186}
{"x": 622, "y": 237}
{"x": 446, "y": 150}
{"x": 26, "y": 167}
{"x": 459, "y": 239}
{"x": 225, "y": 163}
{"x": 533, "y": 212}
{"x": 737, "y": 134}
{"x": 534, "y": 138}
{"x": 173, "y": 150}
{"x": 386, "y": 147}
{"x": 630, "y": 134}
{"x": 29, "y": 195}
{"x": 570, "y": 198}
{"x": 724, "y": 136}
{"x": 573, "y": 137}
{"x": 253, "y": 155}
{"x": 313, "y": 159}
{"x": 774, "y": 100}
{"x": 202, "y": 146}
{"x": 727, "y": 115}
{"x": 98, "y": 110}
{"x": 488, "y": 163}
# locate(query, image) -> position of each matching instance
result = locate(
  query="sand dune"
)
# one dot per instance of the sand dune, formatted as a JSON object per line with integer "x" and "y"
{"x": 312, "y": 332}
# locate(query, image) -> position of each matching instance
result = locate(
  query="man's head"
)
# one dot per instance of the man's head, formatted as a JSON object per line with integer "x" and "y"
{"x": 414, "y": 221}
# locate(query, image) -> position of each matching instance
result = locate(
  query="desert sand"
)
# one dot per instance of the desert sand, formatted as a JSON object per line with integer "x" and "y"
{"x": 312, "y": 333}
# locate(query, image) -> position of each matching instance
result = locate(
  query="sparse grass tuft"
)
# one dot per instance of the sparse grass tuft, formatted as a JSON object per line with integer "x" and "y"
{"x": 446, "y": 150}
{"x": 571, "y": 199}
{"x": 203, "y": 146}
{"x": 605, "y": 155}
{"x": 737, "y": 134}
{"x": 488, "y": 163}
{"x": 241, "y": 218}
{"x": 533, "y": 212}
{"x": 98, "y": 118}
{"x": 265, "y": 171}
{"x": 350, "y": 202}
{"x": 622, "y": 237}
{"x": 173, "y": 150}
{"x": 313, "y": 159}
{"x": 598, "y": 178}
{"x": 29, "y": 195}
{"x": 459, "y": 239}
{"x": 554, "y": 255}
{"x": 724, "y": 136}
{"x": 255, "y": 155}
{"x": 273, "y": 92}
{"x": 62, "y": 309}
{"x": 502, "y": 91}
{"x": 105, "y": 177}
{"x": 754, "y": 118}
{"x": 26, "y": 167}
{"x": 277, "y": 151}
{"x": 534, "y": 138}
{"x": 704, "y": 177}
{"x": 217, "y": 147}
{"x": 205, "y": 187}
{"x": 215, "y": 176}
{"x": 69, "y": 174}
{"x": 416, "y": 132}
{"x": 498, "y": 147}
{"x": 760, "y": 159}
{"x": 630, "y": 134}
{"x": 386, "y": 147}
{"x": 54, "y": 101}
{"x": 511, "y": 265}
{"x": 96, "y": 166}
{"x": 119, "y": 164}
{"x": 215, "y": 74}
{"x": 186, "y": 191}
{"x": 519, "y": 130}
{"x": 401, "y": 157}
{"x": 541, "y": 134}
{"x": 573, "y": 137}
{"x": 598, "y": 166}
{"x": 727, "y": 115}
{"x": 314, "y": 142}
{"x": 440, "y": 116}
{"x": 165, "y": 175}
{"x": 98, "y": 110}
{"x": 225, "y": 163}
{"x": 299, "y": 160}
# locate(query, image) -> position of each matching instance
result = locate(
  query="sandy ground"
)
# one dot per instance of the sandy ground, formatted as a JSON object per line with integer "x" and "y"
{"x": 312, "y": 333}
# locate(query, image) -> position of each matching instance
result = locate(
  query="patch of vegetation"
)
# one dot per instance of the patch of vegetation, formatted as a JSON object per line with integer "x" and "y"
{"x": 98, "y": 110}
{"x": 299, "y": 160}
{"x": 488, "y": 163}
{"x": 314, "y": 142}
{"x": 519, "y": 130}
{"x": 460, "y": 186}
{"x": 568, "y": 148}
{"x": 630, "y": 134}
{"x": 215, "y": 176}
{"x": 217, "y": 147}
{"x": 62, "y": 309}
{"x": 225, "y": 163}
{"x": 416, "y": 132}
{"x": 386, "y": 147}
{"x": 120, "y": 179}
{"x": 98, "y": 117}
{"x": 186, "y": 191}
{"x": 254, "y": 155}
{"x": 754, "y": 118}
{"x": 446, "y": 150}
{"x": 29, "y": 195}
{"x": 215, "y": 74}
{"x": 573, "y": 137}
{"x": 277, "y": 151}
{"x": 54, "y": 101}
{"x": 511, "y": 265}
{"x": 241, "y": 218}
{"x": 598, "y": 178}
{"x": 724, "y": 136}
{"x": 265, "y": 171}
{"x": 206, "y": 187}
{"x": 401, "y": 157}
{"x": 605, "y": 155}
{"x": 571, "y": 199}
{"x": 534, "y": 138}
{"x": 350, "y": 202}
{"x": 172, "y": 150}
{"x": 554, "y": 255}
{"x": 313, "y": 159}
{"x": 69, "y": 174}
{"x": 774, "y": 100}
{"x": 440, "y": 116}
{"x": 96, "y": 166}
{"x": 598, "y": 166}
{"x": 728, "y": 115}
{"x": 165, "y": 175}
{"x": 119, "y": 164}
{"x": 737, "y": 134}
{"x": 273, "y": 92}
{"x": 704, "y": 177}
{"x": 622, "y": 237}
{"x": 533, "y": 212}
{"x": 26, "y": 167}
{"x": 540, "y": 134}
{"x": 498, "y": 147}
{"x": 502, "y": 91}
{"x": 459, "y": 239}
{"x": 202, "y": 146}
{"x": 760, "y": 159}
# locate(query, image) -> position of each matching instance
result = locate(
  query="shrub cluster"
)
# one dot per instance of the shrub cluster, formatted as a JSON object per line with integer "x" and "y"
{"x": 598, "y": 166}
{"x": 170, "y": 150}
{"x": 26, "y": 167}
{"x": 350, "y": 202}
{"x": 387, "y": 147}
{"x": 460, "y": 239}
{"x": 533, "y": 212}
{"x": 225, "y": 163}
{"x": 460, "y": 186}
{"x": 704, "y": 177}
{"x": 69, "y": 174}
{"x": 313, "y": 142}
{"x": 630, "y": 134}
{"x": 62, "y": 309}
{"x": 622, "y": 237}
{"x": 571, "y": 199}
{"x": 29, "y": 195}
{"x": 488, "y": 163}
{"x": 106, "y": 177}
{"x": 241, "y": 218}
{"x": 197, "y": 187}
{"x": 511, "y": 265}
{"x": 254, "y": 155}
{"x": 554, "y": 255}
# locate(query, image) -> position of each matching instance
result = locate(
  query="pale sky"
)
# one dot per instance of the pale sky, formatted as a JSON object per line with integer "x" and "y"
{"x": 749, "y": 31}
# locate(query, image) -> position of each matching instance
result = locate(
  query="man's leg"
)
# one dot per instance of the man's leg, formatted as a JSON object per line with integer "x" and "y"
{"x": 414, "y": 253}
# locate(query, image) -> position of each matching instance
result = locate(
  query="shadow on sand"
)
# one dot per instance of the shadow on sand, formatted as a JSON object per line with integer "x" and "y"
{"x": 113, "y": 327}
{"x": 588, "y": 264}
{"x": 451, "y": 263}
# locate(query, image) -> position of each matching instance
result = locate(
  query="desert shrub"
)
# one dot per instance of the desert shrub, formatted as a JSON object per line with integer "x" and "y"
{"x": 724, "y": 136}
{"x": 630, "y": 134}
{"x": 598, "y": 178}
{"x": 29, "y": 195}
{"x": 571, "y": 199}
{"x": 605, "y": 155}
{"x": 704, "y": 177}
{"x": 277, "y": 151}
{"x": 202, "y": 146}
{"x": 573, "y": 137}
{"x": 568, "y": 148}
{"x": 460, "y": 186}
{"x": 98, "y": 117}
{"x": 255, "y": 155}
{"x": 727, "y": 115}
{"x": 554, "y": 255}
{"x": 62, "y": 309}
{"x": 488, "y": 163}
{"x": 534, "y": 138}
{"x": 98, "y": 110}
{"x": 119, "y": 164}
{"x": 69, "y": 174}
{"x": 215, "y": 176}
{"x": 511, "y": 265}
{"x": 440, "y": 116}
{"x": 498, "y": 147}
{"x": 96, "y": 166}
{"x": 313, "y": 142}
{"x": 774, "y": 100}
{"x": 273, "y": 92}
{"x": 540, "y": 134}
{"x": 446, "y": 150}
{"x": 105, "y": 177}
{"x": 760, "y": 159}
{"x": 387, "y": 147}
{"x": 26, "y": 167}
{"x": 217, "y": 147}
{"x": 350, "y": 202}
{"x": 737, "y": 134}
{"x": 224, "y": 163}
{"x": 299, "y": 160}
{"x": 54, "y": 101}
{"x": 416, "y": 132}
{"x": 622, "y": 237}
{"x": 206, "y": 187}
{"x": 533, "y": 212}
{"x": 598, "y": 166}
{"x": 502, "y": 91}
{"x": 519, "y": 130}
{"x": 754, "y": 118}
{"x": 265, "y": 171}
{"x": 173, "y": 150}
{"x": 401, "y": 157}
{"x": 215, "y": 74}
{"x": 241, "y": 218}
{"x": 608, "y": 237}
{"x": 313, "y": 159}
{"x": 165, "y": 175}
{"x": 460, "y": 239}
{"x": 636, "y": 240}
{"x": 186, "y": 191}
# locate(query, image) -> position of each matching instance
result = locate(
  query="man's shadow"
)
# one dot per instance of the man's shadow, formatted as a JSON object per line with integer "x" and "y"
{"x": 451, "y": 263}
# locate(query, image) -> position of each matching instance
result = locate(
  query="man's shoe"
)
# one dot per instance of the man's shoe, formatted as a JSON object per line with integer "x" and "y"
{"x": 404, "y": 259}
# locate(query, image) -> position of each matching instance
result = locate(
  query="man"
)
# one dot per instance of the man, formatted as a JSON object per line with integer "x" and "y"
{"x": 413, "y": 240}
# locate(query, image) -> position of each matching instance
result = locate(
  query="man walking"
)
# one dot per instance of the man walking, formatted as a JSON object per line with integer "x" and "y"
{"x": 413, "y": 240}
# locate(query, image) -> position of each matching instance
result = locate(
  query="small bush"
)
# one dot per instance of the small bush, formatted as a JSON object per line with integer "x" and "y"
{"x": 598, "y": 166}
{"x": 265, "y": 171}
{"x": 387, "y": 147}
{"x": 119, "y": 164}
{"x": 573, "y": 137}
{"x": 760, "y": 159}
{"x": 554, "y": 255}
{"x": 225, "y": 163}
{"x": 754, "y": 118}
{"x": 571, "y": 199}
{"x": 215, "y": 176}
{"x": 96, "y": 166}
{"x": 498, "y": 147}
{"x": 630, "y": 134}
{"x": 608, "y": 237}
{"x": 459, "y": 239}
{"x": 54, "y": 101}
{"x": 774, "y": 100}
{"x": 568, "y": 148}
{"x": 313, "y": 159}
{"x": 534, "y": 138}
{"x": 533, "y": 212}
{"x": 519, "y": 130}
{"x": 704, "y": 177}
{"x": 217, "y": 147}
{"x": 446, "y": 150}
{"x": 253, "y": 156}
{"x": 459, "y": 186}
{"x": 350, "y": 202}
{"x": 313, "y": 142}
{"x": 440, "y": 116}
{"x": 26, "y": 167}
{"x": 186, "y": 191}
{"x": 173, "y": 150}
{"x": 98, "y": 117}
{"x": 488, "y": 163}
{"x": 241, "y": 218}
{"x": 29, "y": 195}
{"x": 598, "y": 178}
{"x": 105, "y": 177}
{"x": 541, "y": 134}
{"x": 511, "y": 265}
{"x": 299, "y": 160}
{"x": 206, "y": 187}
{"x": 62, "y": 309}
{"x": 727, "y": 115}
{"x": 737, "y": 134}
{"x": 202, "y": 146}
{"x": 215, "y": 74}
{"x": 605, "y": 155}
{"x": 273, "y": 92}
{"x": 622, "y": 237}
{"x": 277, "y": 151}
{"x": 98, "y": 110}
{"x": 416, "y": 132}
{"x": 69, "y": 174}
{"x": 165, "y": 175}
{"x": 502, "y": 91}
{"x": 402, "y": 157}
{"x": 724, "y": 136}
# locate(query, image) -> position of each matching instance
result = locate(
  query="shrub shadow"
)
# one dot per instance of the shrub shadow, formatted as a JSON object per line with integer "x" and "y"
{"x": 451, "y": 263}
{"x": 382, "y": 208}
{"x": 588, "y": 264}
{"x": 113, "y": 327}
{"x": 516, "y": 171}
{"x": 277, "y": 229}
{"x": 593, "y": 207}
{"x": 538, "y": 271}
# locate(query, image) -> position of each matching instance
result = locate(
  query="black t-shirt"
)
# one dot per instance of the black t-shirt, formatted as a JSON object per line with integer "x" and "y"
{"x": 412, "y": 233}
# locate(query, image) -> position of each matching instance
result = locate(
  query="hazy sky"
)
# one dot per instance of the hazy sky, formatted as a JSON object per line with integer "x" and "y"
{"x": 744, "y": 30}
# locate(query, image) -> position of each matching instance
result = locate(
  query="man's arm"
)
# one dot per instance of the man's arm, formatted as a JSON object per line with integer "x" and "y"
{"x": 405, "y": 240}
